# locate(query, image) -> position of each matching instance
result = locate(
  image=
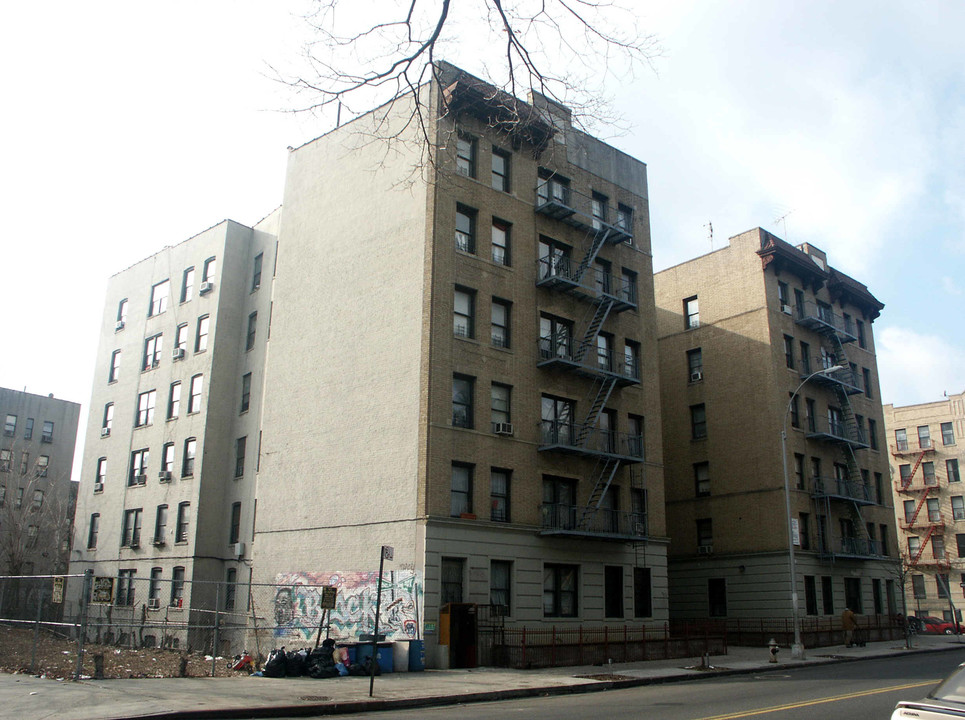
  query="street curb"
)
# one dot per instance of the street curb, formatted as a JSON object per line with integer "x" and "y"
{"x": 357, "y": 706}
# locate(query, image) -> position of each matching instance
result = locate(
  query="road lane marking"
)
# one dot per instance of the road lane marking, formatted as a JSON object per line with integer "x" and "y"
{"x": 836, "y": 698}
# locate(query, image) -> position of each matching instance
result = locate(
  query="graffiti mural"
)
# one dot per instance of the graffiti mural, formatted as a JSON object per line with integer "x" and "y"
{"x": 298, "y": 613}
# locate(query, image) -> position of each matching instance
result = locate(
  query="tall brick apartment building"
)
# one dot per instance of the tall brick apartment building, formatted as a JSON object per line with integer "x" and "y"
{"x": 744, "y": 333}
{"x": 462, "y": 365}
{"x": 925, "y": 444}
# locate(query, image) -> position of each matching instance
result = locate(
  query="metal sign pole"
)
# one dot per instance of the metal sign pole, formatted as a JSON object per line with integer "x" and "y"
{"x": 386, "y": 555}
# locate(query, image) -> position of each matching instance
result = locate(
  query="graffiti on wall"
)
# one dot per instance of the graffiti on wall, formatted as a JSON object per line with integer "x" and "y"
{"x": 298, "y": 599}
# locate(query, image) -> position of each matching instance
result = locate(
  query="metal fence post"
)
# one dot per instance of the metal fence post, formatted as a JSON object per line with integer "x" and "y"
{"x": 33, "y": 656}
{"x": 84, "y": 602}
{"x": 217, "y": 619}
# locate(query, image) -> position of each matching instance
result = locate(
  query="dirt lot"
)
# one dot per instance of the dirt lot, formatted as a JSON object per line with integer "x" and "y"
{"x": 56, "y": 657}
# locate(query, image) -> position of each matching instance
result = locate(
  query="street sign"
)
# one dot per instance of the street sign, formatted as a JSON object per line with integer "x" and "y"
{"x": 328, "y": 598}
{"x": 102, "y": 591}
{"x": 387, "y": 552}
{"x": 57, "y": 594}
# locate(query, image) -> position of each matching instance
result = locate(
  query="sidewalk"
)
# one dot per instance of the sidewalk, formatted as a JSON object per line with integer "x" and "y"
{"x": 29, "y": 697}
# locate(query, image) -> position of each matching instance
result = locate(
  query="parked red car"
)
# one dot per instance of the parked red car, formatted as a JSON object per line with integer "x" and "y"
{"x": 937, "y": 625}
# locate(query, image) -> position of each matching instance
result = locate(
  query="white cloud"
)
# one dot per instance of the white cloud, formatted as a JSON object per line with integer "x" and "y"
{"x": 915, "y": 368}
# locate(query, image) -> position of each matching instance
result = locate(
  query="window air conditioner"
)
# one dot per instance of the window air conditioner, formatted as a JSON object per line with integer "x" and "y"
{"x": 105, "y": 432}
{"x": 786, "y": 309}
{"x": 206, "y": 287}
{"x": 178, "y": 353}
{"x": 696, "y": 376}
{"x": 164, "y": 476}
{"x": 98, "y": 487}
{"x": 119, "y": 326}
{"x": 140, "y": 479}
{"x": 705, "y": 549}
{"x": 237, "y": 549}
{"x": 154, "y": 604}
{"x": 503, "y": 428}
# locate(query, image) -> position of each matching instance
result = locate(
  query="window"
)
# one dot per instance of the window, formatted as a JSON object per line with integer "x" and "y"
{"x": 256, "y": 272}
{"x": 702, "y": 478}
{"x": 38, "y": 500}
{"x": 184, "y": 517}
{"x": 500, "y": 323}
{"x": 187, "y": 461}
{"x": 559, "y": 590}
{"x": 201, "y": 336}
{"x": 466, "y": 155}
{"x": 810, "y": 414}
{"x": 691, "y": 313}
{"x": 625, "y": 219}
{"x": 460, "y": 499}
{"x": 810, "y": 595}
{"x": 152, "y": 352}
{"x": 873, "y": 433}
{"x": 115, "y": 366}
{"x": 934, "y": 512}
{"x": 245, "y": 392}
{"x": 938, "y": 547}
{"x": 465, "y": 229}
{"x": 804, "y": 531}
{"x": 252, "y": 325}
{"x": 924, "y": 437}
{"x": 159, "y": 298}
{"x": 93, "y": 527}
{"x": 230, "y": 590}
{"x": 951, "y": 468}
{"x": 941, "y": 583}
{"x": 6, "y": 460}
{"x": 805, "y": 358}
{"x": 28, "y": 429}
{"x": 210, "y": 268}
{"x": 783, "y": 297}
{"x": 852, "y": 594}
{"x": 161, "y": 525}
{"x": 154, "y": 588}
{"x": 499, "y": 494}
{"x": 500, "y": 177}
{"x": 500, "y": 242}
{"x": 799, "y": 471}
{"x": 960, "y": 541}
{"x": 604, "y": 352}
{"x": 909, "y": 509}
{"x": 555, "y": 338}
{"x": 194, "y": 400}
{"x": 795, "y": 411}
{"x": 958, "y": 507}
{"x": 125, "y": 587}
{"x": 43, "y": 462}
{"x": 879, "y": 489}
{"x": 642, "y": 593}
{"x": 462, "y": 397}
{"x": 635, "y": 435}
{"x": 240, "y": 447}
{"x": 139, "y": 463}
{"x": 18, "y": 502}
{"x": 825, "y": 313}
{"x": 848, "y": 324}
{"x": 47, "y": 433}
{"x": 101, "y": 473}
{"x": 866, "y": 376}
{"x": 108, "y": 420}
{"x": 556, "y": 416}
{"x": 598, "y": 207}
{"x": 552, "y": 188}
{"x": 613, "y": 591}
{"x": 789, "y": 351}
{"x": 948, "y": 434}
{"x": 167, "y": 457}
{"x": 918, "y": 587}
{"x": 463, "y": 313}
{"x": 695, "y": 365}
{"x": 121, "y": 314}
{"x": 500, "y": 405}
{"x": 500, "y": 573}
{"x": 174, "y": 400}
{"x": 177, "y": 586}
{"x": 861, "y": 339}
{"x": 901, "y": 439}
{"x": 631, "y": 359}
{"x": 450, "y": 586}
{"x": 554, "y": 258}
{"x": 705, "y": 532}
{"x": 698, "y": 422}
{"x": 928, "y": 471}
{"x": 234, "y": 529}
{"x": 131, "y": 533}
{"x": 145, "y": 408}
{"x": 181, "y": 341}
{"x": 187, "y": 284}
{"x": 799, "y": 302}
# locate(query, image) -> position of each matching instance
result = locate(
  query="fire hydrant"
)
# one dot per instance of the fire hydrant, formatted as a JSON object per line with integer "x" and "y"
{"x": 774, "y": 649}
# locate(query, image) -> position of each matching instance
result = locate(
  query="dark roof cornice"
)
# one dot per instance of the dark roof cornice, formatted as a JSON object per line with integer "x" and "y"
{"x": 781, "y": 256}
{"x": 844, "y": 288}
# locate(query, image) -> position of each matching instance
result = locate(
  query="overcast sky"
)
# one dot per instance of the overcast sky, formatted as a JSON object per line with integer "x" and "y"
{"x": 131, "y": 126}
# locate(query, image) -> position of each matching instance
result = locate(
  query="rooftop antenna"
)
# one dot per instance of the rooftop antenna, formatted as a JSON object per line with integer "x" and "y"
{"x": 710, "y": 234}
{"x": 783, "y": 221}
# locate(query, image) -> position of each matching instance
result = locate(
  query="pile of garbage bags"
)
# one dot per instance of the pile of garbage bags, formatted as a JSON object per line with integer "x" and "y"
{"x": 321, "y": 662}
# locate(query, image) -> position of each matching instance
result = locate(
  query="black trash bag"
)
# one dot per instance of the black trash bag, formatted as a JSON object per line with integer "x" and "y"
{"x": 275, "y": 665}
{"x": 367, "y": 666}
{"x": 321, "y": 664}
{"x": 296, "y": 663}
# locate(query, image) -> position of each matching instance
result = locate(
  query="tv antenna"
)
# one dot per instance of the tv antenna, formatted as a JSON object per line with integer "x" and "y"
{"x": 783, "y": 221}
{"x": 710, "y": 234}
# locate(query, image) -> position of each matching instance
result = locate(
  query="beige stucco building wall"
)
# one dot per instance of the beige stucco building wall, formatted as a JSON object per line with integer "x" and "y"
{"x": 750, "y": 297}
{"x": 925, "y": 445}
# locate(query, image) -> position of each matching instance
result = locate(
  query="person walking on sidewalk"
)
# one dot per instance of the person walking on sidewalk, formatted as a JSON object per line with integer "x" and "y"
{"x": 848, "y": 624}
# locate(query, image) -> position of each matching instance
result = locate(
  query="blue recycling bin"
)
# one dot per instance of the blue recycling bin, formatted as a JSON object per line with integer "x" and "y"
{"x": 383, "y": 655}
{"x": 417, "y": 655}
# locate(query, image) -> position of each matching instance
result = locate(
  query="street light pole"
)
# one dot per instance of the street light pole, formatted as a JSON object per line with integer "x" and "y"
{"x": 797, "y": 649}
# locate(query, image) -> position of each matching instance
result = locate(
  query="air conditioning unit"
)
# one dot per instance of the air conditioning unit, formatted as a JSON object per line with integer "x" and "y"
{"x": 119, "y": 326}
{"x": 705, "y": 549}
{"x": 140, "y": 479}
{"x": 206, "y": 287}
{"x": 105, "y": 432}
{"x": 786, "y": 309}
{"x": 164, "y": 476}
{"x": 98, "y": 487}
{"x": 178, "y": 354}
{"x": 237, "y": 549}
{"x": 503, "y": 428}
{"x": 154, "y": 604}
{"x": 696, "y": 376}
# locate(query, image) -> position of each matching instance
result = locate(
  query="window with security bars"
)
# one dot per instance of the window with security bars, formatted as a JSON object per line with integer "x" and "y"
{"x": 451, "y": 580}
{"x": 500, "y": 576}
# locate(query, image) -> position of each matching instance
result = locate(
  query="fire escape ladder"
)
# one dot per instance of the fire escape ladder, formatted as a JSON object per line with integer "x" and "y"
{"x": 906, "y": 482}
{"x": 918, "y": 507}
{"x": 923, "y": 545}
{"x": 858, "y": 520}
{"x": 604, "y": 388}
{"x": 600, "y": 314}
{"x": 597, "y": 240}
{"x": 841, "y": 358}
{"x": 603, "y": 475}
